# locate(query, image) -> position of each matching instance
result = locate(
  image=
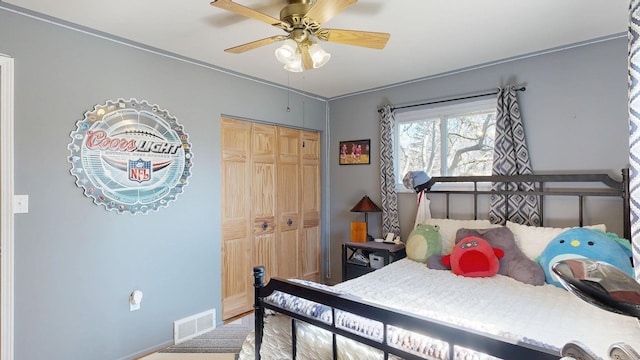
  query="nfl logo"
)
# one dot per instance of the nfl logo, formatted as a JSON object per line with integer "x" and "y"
{"x": 139, "y": 170}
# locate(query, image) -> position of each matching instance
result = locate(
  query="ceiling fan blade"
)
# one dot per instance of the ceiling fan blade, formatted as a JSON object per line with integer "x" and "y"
{"x": 229, "y": 5}
{"x": 324, "y": 10}
{"x": 307, "y": 62}
{"x": 255, "y": 44}
{"x": 368, "y": 39}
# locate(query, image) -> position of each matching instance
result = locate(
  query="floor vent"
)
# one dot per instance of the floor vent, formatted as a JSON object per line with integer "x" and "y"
{"x": 194, "y": 325}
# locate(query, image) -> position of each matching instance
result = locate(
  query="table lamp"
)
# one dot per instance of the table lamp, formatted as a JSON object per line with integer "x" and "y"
{"x": 365, "y": 205}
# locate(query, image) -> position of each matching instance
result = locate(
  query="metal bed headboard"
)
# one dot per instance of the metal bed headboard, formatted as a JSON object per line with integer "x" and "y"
{"x": 609, "y": 187}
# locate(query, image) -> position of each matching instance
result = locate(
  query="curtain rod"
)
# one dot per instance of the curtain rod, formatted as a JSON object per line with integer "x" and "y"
{"x": 451, "y": 99}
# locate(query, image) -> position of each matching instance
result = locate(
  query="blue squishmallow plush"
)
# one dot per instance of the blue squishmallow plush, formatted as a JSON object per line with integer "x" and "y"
{"x": 585, "y": 243}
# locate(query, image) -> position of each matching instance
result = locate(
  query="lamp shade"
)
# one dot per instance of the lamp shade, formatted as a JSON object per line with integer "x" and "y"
{"x": 287, "y": 52}
{"x": 366, "y": 205}
{"x": 295, "y": 65}
{"x": 318, "y": 56}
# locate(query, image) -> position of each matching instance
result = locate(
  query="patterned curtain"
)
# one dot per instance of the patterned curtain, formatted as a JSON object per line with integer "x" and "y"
{"x": 511, "y": 157}
{"x": 634, "y": 123}
{"x": 390, "y": 219}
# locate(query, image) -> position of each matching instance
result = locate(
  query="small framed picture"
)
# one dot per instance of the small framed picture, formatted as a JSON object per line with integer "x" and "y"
{"x": 355, "y": 152}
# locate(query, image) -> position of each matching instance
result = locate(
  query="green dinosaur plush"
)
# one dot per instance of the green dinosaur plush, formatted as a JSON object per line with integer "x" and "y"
{"x": 423, "y": 242}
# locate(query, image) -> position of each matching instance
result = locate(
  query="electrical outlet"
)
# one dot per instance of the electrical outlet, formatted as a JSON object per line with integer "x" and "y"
{"x": 134, "y": 307}
{"x": 134, "y": 300}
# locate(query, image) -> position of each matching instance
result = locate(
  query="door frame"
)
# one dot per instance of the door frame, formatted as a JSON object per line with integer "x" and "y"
{"x": 6, "y": 207}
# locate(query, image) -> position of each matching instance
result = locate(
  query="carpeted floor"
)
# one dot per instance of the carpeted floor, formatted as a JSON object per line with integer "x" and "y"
{"x": 191, "y": 356}
{"x": 226, "y": 339}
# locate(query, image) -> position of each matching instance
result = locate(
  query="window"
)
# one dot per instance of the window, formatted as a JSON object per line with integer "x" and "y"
{"x": 451, "y": 140}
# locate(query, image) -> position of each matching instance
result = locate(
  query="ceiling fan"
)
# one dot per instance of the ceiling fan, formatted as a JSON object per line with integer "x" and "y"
{"x": 302, "y": 20}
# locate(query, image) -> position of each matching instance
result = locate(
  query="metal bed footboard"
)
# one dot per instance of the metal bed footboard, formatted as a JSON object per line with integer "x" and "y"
{"x": 386, "y": 316}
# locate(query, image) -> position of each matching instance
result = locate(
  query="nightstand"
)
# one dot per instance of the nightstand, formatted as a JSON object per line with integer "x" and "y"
{"x": 383, "y": 255}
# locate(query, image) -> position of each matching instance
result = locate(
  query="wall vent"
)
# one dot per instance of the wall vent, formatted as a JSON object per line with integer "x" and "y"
{"x": 194, "y": 325}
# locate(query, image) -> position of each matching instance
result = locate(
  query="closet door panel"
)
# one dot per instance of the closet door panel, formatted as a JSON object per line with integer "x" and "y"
{"x": 263, "y": 143}
{"x": 288, "y": 193}
{"x": 263, "y": 206}
{"x": 310, "y": 256}
{"x": 235, "y": 211}
{"x": 264, "y": 253}
{"x": 263, "y": 197}
{"x": 310, "y": 266}
{"x": 288, "y": 254}
{"x": 237, "y": 291}
{"x": 311, "y": 148}
{"x": 289, "y": 220}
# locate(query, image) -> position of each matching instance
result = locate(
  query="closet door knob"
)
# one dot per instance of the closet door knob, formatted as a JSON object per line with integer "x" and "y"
{"x": 265, "y": 225}
{"x": 289, "y": 222}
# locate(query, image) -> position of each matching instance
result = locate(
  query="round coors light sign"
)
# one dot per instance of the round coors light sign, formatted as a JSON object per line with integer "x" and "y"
{"x": 130, "y": 156}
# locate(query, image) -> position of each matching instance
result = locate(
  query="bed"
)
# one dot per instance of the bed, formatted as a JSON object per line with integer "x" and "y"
{"x": 409, "y": 311}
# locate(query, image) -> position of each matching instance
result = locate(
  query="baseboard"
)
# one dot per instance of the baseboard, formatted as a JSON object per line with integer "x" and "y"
{"x": 144, "y": 352}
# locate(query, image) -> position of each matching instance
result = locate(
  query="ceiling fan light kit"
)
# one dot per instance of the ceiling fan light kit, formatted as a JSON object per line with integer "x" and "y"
{"x": 301, "y": 19}
{"x": 290, "y": 55}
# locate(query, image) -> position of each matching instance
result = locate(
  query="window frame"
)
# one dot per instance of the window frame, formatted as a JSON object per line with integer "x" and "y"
{"x": 438, "y": 110}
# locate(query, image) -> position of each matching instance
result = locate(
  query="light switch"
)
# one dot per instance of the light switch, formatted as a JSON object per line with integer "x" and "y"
{"x": 20, "y": 204}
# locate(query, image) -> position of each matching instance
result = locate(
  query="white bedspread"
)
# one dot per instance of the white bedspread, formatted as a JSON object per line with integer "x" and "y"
{"x": 544, "y": 315}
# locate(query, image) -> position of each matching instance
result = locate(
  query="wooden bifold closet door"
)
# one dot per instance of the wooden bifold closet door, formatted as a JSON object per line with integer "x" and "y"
{"x": 270, "y": 207}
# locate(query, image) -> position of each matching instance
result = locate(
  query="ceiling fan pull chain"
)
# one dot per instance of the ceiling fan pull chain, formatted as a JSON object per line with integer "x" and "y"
{"x": 288, "y": 91}
{"x": 303, "y": 101}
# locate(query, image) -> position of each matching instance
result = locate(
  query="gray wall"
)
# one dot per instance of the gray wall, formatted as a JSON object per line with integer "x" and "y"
{"x": 574, "y": 112}
{"x": 76, "y": 263}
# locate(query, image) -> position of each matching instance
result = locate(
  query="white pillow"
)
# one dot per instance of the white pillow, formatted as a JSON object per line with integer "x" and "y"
{"x": 532, "y": 240}
{"x": 449, "y": 227}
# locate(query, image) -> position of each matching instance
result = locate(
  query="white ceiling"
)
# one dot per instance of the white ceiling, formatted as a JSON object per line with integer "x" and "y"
{"x": 428, "y": 37}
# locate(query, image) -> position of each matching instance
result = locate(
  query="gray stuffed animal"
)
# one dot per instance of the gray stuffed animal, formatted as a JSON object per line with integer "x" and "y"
{"x": 514, "y": 263}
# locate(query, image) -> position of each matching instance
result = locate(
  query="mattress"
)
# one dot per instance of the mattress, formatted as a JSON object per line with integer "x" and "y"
{"x": 545, "y": 316}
